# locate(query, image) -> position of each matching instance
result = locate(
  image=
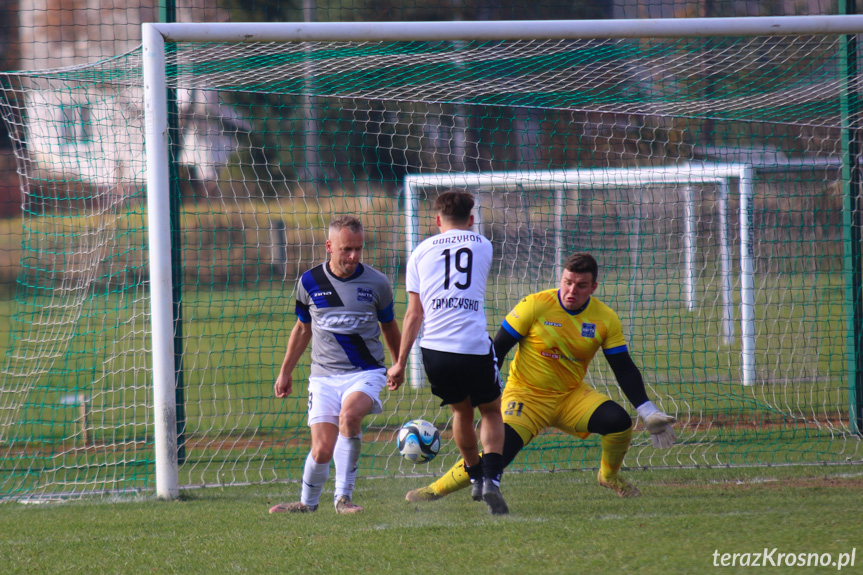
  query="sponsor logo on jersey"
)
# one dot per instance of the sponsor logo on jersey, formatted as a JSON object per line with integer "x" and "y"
{"x": 455, "y": 303}
{"x": 551, "y": 323}
{"x": 588, "y": 330}
{"x": 365, "y": 294}
{"x": 513, "y": 314}
{"x": 344, "y": 321}
{"x": 556, "y": 354}
{"x": 322, "y": 293}
{"x": 458, "y": 239}
{"x": 552, "y": 353}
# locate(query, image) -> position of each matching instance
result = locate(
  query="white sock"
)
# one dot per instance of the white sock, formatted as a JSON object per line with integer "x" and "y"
{"x": 346, "y": 455}
{"x": 314, "y": 476}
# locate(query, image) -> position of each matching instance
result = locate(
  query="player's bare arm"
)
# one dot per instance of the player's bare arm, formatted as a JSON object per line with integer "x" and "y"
{"x": 298, "y": 341}
{"x": 410, "y": 330}
{"x": 392, "y": 338}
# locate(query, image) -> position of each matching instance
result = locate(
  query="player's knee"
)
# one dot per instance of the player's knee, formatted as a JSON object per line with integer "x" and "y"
{"x": 609, "y": 417}
{"x": 322, "y": 453}
{"x": 350, "y": 426}
{"x": 351, "y": 420}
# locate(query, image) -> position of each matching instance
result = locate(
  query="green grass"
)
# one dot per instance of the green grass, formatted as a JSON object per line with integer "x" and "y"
{"x": 559, "y": 523}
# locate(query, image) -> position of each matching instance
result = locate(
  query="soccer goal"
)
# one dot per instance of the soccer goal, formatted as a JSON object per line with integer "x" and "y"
{"x": 561, "y": 183}
{"x": 173, "y": 196}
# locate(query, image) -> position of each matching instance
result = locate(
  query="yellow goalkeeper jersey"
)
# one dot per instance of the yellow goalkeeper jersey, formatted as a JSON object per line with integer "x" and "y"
{"x": 556, "y": 345}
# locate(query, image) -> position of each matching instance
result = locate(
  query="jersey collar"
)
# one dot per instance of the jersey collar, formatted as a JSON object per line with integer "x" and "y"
{"x": 357, "y": 273}
{"x": 575, "y": 312}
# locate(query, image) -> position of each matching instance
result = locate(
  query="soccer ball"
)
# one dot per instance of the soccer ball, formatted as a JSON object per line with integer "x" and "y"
{"x": 418, "y": 441}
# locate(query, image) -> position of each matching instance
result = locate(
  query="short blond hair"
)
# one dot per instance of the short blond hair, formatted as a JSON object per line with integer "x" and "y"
{"x": 352, "y": 223}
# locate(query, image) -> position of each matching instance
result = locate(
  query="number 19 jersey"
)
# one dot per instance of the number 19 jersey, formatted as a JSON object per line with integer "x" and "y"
{"x": 449, "y": 271}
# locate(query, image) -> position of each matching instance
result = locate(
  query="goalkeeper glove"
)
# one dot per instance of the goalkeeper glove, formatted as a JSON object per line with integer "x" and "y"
{"x": 658, "y": 424}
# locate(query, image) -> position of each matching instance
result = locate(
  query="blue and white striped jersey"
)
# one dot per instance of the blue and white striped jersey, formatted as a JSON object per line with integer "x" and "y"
{"x": 345, "y": 315}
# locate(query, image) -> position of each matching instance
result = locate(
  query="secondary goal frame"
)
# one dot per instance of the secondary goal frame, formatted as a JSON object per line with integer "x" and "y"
{"x": 686, "y": 175}
{"x": 156, "y": 35}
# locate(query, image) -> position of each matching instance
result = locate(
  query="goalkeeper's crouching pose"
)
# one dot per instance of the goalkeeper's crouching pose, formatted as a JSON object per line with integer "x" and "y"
{"x": 558, "y": 332}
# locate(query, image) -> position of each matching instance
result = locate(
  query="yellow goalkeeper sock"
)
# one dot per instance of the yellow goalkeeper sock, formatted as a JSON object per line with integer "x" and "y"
{"x": 614, "y": 448}
{"x": 451, "y": 481}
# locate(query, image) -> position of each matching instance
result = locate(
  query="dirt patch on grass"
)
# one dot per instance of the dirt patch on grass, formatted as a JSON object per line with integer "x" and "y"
{"x": 757, "y": 421}
{"x": 855, "y": 483}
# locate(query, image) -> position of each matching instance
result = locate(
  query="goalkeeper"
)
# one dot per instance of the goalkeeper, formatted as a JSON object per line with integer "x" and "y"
{"x": 558, "y": 332}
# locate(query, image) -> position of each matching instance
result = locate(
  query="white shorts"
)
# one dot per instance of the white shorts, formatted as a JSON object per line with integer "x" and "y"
{"x": 326, "y": 393}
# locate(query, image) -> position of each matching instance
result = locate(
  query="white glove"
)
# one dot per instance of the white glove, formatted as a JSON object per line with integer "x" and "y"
{"x": 658, "y": 424}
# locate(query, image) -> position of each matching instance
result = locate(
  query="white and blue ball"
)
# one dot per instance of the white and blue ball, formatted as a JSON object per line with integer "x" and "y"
{"x": 419, "y": 441}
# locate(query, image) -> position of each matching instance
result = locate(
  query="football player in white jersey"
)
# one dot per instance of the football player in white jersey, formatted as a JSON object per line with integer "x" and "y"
{"x": 342, "y": 308}
{"x": 446, "y": 280}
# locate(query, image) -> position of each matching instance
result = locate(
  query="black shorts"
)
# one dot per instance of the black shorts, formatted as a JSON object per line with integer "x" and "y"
{"x": 456, "y": 376}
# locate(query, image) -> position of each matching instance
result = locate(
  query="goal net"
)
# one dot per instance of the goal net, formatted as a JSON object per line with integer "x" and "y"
{"x": 712, "y": 172}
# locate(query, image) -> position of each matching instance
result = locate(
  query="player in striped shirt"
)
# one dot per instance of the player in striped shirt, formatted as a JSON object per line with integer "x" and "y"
{"x": 342, "y": 308}
{"x": 558, "y": 332}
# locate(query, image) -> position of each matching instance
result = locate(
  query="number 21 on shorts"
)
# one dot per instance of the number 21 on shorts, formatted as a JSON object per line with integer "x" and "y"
{"x": 514, "y": 408}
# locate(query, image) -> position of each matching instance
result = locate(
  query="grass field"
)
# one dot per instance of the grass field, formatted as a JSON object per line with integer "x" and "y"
{"x": 559, "y": 523}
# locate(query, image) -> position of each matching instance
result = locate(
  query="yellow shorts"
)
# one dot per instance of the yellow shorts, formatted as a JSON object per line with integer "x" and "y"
{"x": 529, "y": 412}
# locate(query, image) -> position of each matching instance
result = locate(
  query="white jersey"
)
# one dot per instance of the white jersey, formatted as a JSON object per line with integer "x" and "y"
{"x": 449, "y": 271}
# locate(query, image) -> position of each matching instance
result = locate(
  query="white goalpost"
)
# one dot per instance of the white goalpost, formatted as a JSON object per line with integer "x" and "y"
{"x": 161, "y": 282}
